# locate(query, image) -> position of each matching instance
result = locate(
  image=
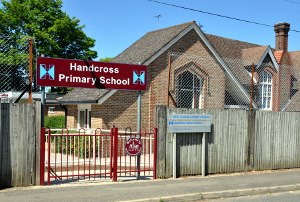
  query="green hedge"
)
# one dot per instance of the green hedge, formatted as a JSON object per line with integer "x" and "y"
{"x": 55, "y": 121}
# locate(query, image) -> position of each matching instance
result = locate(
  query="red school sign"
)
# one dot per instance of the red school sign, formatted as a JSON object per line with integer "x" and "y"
{"x": 56, "y": 72}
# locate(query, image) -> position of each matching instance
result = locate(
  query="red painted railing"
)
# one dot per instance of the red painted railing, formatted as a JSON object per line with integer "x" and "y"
{"x": 135, "y": 166}
{"x": 68, "y": 155}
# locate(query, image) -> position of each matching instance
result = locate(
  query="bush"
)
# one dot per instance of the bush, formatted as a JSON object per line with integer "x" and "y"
{"x": 55, "y": 121}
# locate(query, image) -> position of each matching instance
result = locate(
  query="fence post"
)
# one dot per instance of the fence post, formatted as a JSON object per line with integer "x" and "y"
{"x": 154, "y": 153}
{"x": 115, "y": 156}
{"x": 49, "y": 149}
{"x": 42, "y": 157}
{"x": 161, "y": 123}
{"x": 250, "y": 139}
{"x": 111, "y": 152}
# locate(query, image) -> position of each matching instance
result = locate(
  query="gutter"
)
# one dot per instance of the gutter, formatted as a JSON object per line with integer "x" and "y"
{"x": 78, "y": 102}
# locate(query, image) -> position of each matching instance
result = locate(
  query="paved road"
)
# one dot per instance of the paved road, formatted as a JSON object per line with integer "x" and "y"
{"x": 193, "y": 188}
{"x": 291, "y": 196}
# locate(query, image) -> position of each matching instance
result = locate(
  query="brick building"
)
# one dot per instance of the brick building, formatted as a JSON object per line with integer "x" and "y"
{"x": 190, "y": 69}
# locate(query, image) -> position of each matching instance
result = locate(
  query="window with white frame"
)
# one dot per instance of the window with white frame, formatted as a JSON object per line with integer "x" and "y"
{"x": 188, "y": 89}
{"x": 265, "y": 90}
{"x": 51, "y": 110}
{"x": 84, "y": 116}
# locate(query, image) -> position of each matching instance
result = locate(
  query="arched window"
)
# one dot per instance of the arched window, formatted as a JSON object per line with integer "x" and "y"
{"x": 265, "y": 90}
{"x": 188, "y": 90}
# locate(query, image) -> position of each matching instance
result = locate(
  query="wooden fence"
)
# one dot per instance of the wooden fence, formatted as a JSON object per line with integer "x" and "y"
{"x": 19, "y": 144}
{"x": 277, "y": 140}
{"x": 239, "y": 141}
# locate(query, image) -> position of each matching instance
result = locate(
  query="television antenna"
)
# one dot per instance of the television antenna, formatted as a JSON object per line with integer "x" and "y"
{"x": 158, "y": 16}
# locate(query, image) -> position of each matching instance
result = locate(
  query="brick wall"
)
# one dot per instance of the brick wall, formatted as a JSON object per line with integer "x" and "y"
{"x": 72, "y": 114}
{"x": 285, "y": 80}
{"x": 205, "y": 67}
{"x": 119, "y": 110}
{"x": 212, "y": 74}
{"x": 57, "y": 110}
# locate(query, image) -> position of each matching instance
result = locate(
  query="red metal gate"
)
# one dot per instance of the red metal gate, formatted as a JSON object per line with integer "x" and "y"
{"x": 72, "y": 155}
{"x": 138, "y": 166}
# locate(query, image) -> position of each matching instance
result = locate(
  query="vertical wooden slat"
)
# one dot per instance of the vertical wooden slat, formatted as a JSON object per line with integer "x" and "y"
{"x": 1, "y": 144}
{"x": 161, "y": 140}
{"x": 37, "y": 143}
{"x": 5, "y": 161}
{"x": 32, "y": 141}
{"x": 13, "y": 140}
{"x": 2, "y": 133}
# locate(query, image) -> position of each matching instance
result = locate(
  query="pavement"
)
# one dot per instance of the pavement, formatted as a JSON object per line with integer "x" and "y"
{"x": 182, "y": 189}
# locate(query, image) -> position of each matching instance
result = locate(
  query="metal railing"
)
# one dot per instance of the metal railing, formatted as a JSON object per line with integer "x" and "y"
{"x": 69, "y": 155}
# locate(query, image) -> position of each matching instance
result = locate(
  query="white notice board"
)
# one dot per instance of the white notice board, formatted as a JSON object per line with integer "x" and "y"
{"x": 189, "y": 123}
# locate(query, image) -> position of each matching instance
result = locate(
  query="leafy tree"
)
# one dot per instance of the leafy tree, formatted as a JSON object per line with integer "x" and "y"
{"x": 13, "y": 64}
{"x": 55, "y": 33}
{"x": 107, "y": 59}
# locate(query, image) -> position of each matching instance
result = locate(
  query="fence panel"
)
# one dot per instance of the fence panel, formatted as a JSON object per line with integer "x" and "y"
{"x": 17, "y": 144}
{"x": 239, "y": 141}
{"x": 277, "y": 140}
{"x": 227, "y": 144}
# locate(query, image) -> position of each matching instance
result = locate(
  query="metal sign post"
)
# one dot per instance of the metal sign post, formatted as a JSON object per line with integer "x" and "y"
{"x": 189, "y": 123}
{"x": 138, "y": 160}
{"x": 43, "y": 102}
{"x": 203, "y": 155}
{"x": 174, "y": 156}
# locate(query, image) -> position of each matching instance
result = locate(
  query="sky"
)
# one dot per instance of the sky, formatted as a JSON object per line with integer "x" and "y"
{"x": 116, "y": 24}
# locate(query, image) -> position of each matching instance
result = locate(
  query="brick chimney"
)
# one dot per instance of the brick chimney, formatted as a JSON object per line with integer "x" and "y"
{"x": 281, "y": 31}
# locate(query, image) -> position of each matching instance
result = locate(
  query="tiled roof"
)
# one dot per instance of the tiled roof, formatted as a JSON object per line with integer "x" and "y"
{"x": 295, "y": 58}
{"x": 83, "y": 95}
{"x": 229, "y": 48}
{"x": 150, "y": 43}
{"x": 249, "y": 56}
{"x": 235, "y": 53}
{"x": 278, "y": 55}
{"x": 295, "y": 71}
{"x": 253, "y": 55}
